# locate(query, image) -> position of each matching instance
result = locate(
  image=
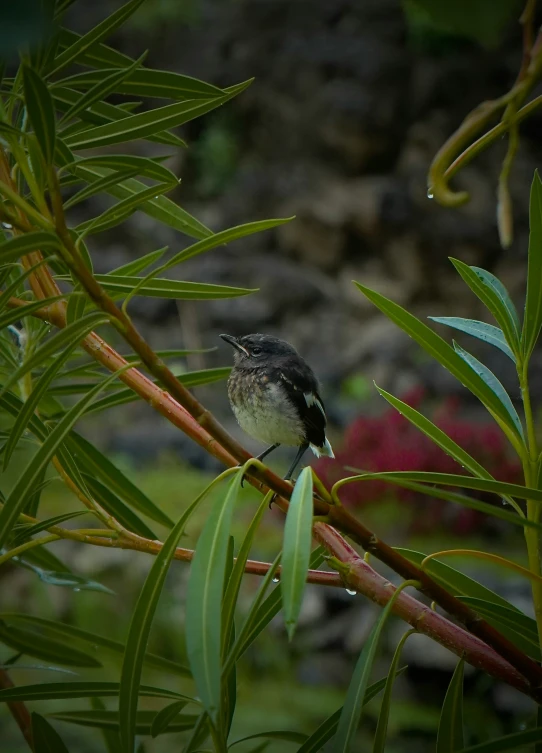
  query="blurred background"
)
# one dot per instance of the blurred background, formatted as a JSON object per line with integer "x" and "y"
{"x": 351, "y": 100}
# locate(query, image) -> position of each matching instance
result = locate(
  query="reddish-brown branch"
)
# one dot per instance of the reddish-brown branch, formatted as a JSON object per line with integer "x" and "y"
{"x": 18, "y": 710}
{"x": 338, "y": 516}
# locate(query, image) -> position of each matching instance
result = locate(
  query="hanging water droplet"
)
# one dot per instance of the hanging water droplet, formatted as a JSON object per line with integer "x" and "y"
{"x": 504, "y": 503}
{"x": 430, "y": 192}
{"x": 276, "y": 579}
{"x": 523, "y": 726}
{"x": 76, "y": 590}
{"x": 350, "y": 592}
{"x": 7, "y": 226}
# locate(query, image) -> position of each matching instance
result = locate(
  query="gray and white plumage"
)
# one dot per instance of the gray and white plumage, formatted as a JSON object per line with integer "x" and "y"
{"x": 274, "y": 394}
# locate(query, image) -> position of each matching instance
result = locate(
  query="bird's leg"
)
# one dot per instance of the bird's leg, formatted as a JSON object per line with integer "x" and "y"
{"x": 302, "y": 450}
{"x": 262, "y": 455}
{"x": 265, "y": 453}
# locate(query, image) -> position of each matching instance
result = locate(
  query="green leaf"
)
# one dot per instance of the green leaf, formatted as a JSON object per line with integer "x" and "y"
{"x": 38, "y": 240}
{"x": 120, "y": 211}
{"x": 509, "y": 742}
{"x": 161, "y": 209}
{"x": 71, "y": 632}
{"x": 327, "y": 729}
{"x": 164, "y": 288}
{"x": 454, "y": 581}
{"x": 45, "y": 738}
{"x": 18, "y": 496}
{"x": 263, "y": 610}
{"x": 113, "y": 505}
{"x": 33, "y": 400}
{"x": 515, "y": 625}
{"x": 72, "y": 334}
{"x": 443, "y": 353}
{"x": 27, "y": 531}
{"x": 204, "y": 601}
{"x": 112, "y": 720}
{"x": 98, "y": 114}
{"x": 495, "y": 297}
{"x": 11, "y": 289}
{"x": 494, "y": 385}
{"x": 532, "y": 321}
{"x": 161, "y": 721}
{"x": 147, "y": 82}
{"x": 236, "y": 577}
{"x": 42, "y": 647}
{"x": 138, "y": 265}
{"x": 145, "y": 124}
{"x": 439, "y": 437}
{"x": 351, "y": 711}
{"x": 296, "y": 549}
{"x": 102, "y": 88}
{"x": 379, "y": 743}
{"x": 225, "y": 236}
{"x": 82, "y": 44}
{"x": 111, "y": 179}
{"x": 450, "y": 729}
{"x": 140, "y": 627}
{"x": 97, "y": 463}
{"x": 149, "y": 168}
{"x": 450, "y": 479}
{"x": 41, "y": 112}
{"x": 486, "y": 332}
{"x": 49, "y": 691}
{"x": 279, "y": 734}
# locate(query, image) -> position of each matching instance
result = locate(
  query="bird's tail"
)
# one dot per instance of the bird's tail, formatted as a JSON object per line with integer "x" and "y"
{"x": 326, "y": 449}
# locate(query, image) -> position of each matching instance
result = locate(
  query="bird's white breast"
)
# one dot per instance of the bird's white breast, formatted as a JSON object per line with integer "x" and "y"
{"x": 268, "y": 415}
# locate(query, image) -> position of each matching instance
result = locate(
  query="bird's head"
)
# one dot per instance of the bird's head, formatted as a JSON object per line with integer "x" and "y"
{"x": 251, "y": 351}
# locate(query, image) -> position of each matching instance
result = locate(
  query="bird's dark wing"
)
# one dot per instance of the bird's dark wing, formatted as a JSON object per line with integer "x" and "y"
{"x": 301, "y": 386}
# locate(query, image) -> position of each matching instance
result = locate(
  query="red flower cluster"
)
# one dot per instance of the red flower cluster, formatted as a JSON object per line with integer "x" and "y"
{"x": 391, "y": 443}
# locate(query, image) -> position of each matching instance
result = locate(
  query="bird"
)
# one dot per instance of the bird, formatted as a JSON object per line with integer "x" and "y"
{"x": 275, "y": 398}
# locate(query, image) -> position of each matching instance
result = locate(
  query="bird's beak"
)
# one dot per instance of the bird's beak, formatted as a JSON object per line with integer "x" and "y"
{"x": 233, "y": 341}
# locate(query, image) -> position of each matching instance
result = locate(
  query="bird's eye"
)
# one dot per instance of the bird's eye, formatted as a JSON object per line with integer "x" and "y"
{"x": 257, "y": 351}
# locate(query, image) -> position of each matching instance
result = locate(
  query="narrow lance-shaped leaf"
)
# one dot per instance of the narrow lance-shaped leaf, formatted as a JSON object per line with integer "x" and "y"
{"x": 71, "y": 633}
{"x": 95, "y": 35}
{"x": 164, "y": 288}
{"x": 495, "y": 297}
{"x": 532, "y": 321}
{"x": 296, "y": 549}
{"x": 115, "y": 507}
{"x": 44, "y": 737}
{"x": 97, "y": 463}
{"x": 486, "y": 332}
{"x": 50, "y": 691}
{"x": 41, "y": 112}
{"x": 204, "y": 601}
{"x": 23, "y": 487}
{"x": 494, "y": 385}
{"x": 140, "y": 627}
{"x": 72, "y": 333}
{"x": 38, "y": 240}
{"x": 33, "y": 400}
{"x": 43, "y": 647}
{"x": 102, "y": 88}
{"x": 450, "y": 730}
{"x": 512, "y": 742}
{"x": 111, "y": 179}
{"x": 444, "y": 354}
{"x": 111, "y": 720}
{"x": 349, "y": 719}
{"x": 161, "y": 721}
{"x": 149, "y": 168}
{"x": 327, "y": 729}
{"x": 379, "y": 743}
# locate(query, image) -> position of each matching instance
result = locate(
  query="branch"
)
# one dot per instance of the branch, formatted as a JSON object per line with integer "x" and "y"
{"x": 336, "y": 514}
{"x": 18, "y": 710}
{"x": 358, "y": 575}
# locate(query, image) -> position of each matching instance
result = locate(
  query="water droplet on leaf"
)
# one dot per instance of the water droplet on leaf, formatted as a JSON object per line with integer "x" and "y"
{"x": 350, "y": 592}
{"x": 430, "y": 192}
{"x": 276, "y": 579}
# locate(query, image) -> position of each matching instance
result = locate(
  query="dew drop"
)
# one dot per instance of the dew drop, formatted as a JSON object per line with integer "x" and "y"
{"x": 7, "y": 226}
{"x": 523, "y": 726}
{"x": 350, "y": 592}
{"x": 276, "y": 579}
{"x": 76, "y": 590}
{"x": 504, "y": 503}
{"x": 430, "y": 192}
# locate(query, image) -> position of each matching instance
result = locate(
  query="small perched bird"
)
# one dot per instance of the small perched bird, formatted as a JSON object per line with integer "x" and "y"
{"x": 274, "y": 395}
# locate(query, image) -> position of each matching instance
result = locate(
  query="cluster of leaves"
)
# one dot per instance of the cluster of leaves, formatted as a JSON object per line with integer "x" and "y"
{"x": 53, "y": 110}
{"x": 389, "y": 442}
